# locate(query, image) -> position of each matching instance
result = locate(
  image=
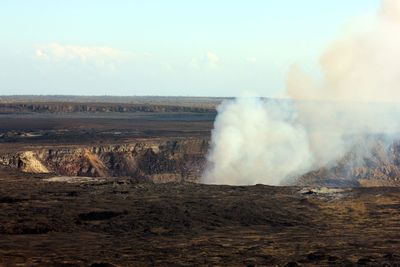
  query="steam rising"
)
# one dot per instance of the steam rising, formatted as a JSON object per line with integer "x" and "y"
{"x": 272, "y": 142}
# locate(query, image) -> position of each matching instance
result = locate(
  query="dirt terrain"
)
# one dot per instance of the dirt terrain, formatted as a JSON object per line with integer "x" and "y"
{"x": 123, "y": 222}
{"x": 110, "y": 183}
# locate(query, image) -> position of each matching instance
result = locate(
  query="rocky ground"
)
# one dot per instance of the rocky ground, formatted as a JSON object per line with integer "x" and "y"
{"x": 123, "y": 222}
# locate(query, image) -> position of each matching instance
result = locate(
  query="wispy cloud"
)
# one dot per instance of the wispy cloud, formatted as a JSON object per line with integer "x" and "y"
{"x": 98, "y": 55}
{"x": 251, "y": 59}
{"x": 210, "y": 59}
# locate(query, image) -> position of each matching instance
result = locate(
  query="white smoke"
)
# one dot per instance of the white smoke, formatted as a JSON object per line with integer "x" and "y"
{"x": 269, "y": 142}
{"x": 251, "y": 143}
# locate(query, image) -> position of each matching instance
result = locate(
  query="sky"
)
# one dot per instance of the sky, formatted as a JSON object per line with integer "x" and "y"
{"x": 159, "y": 47}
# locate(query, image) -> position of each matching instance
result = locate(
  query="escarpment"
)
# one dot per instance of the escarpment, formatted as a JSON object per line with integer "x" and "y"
{"x": 159, "y": 160}
{"x": 68, "y": 107}
{"x": 184, "y": 159}
{"x": 379, "y": 165}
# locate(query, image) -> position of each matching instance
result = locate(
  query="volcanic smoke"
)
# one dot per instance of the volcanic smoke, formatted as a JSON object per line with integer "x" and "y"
{"x": 275, "y": 141}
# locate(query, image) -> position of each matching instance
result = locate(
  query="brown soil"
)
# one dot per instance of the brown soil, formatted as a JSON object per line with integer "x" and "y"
{"x": 121, "y": 222}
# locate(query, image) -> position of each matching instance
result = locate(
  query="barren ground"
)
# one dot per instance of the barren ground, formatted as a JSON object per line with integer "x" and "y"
{"x": 128, "y": 223}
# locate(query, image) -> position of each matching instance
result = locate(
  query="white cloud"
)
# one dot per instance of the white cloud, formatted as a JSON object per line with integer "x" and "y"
{"x": 166, "y": 66}
{"x": 98, "y": 55}
{"x": 251, "y": 59}
{"x": 210, "y": 60}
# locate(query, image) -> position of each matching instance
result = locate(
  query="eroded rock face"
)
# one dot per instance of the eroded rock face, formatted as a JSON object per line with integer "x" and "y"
{"x": 163, "y": 161}
{"x": 30, "y": 162}
{"x": 70, "y": 107}
{"x": 379, "y": 166}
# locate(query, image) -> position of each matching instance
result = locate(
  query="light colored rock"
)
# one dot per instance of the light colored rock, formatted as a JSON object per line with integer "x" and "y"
{"x": 73, "y": 179}
{"x": 31, "y": 163}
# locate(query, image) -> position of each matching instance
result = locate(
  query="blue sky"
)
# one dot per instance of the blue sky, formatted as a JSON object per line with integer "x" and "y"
{"x": 159, "y": 47}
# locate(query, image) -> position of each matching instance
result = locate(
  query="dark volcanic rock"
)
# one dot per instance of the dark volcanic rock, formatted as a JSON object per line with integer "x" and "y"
{"x": 99, "y": 215}
{"x": 191, "y": 224}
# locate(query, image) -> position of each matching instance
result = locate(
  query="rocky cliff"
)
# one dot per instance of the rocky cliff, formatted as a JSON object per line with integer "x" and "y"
{"x": 184, "y": 159}
{"x": 159, "y": 160}
{"x": 373, "y": 164}
{"x": 68, "y": 107}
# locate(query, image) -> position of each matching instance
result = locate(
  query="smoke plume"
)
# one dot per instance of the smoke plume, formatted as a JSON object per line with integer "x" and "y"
{"x": 272, "y": 142}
